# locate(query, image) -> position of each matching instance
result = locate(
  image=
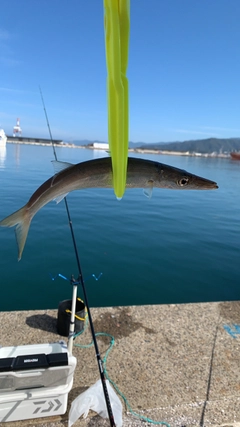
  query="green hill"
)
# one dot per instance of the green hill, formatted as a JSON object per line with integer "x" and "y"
{"x": 209, "y": 145}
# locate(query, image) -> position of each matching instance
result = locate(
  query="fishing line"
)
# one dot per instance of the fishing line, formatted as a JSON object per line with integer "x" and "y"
{"x": 80, "y": 279}
{"x": 112, "y": 342}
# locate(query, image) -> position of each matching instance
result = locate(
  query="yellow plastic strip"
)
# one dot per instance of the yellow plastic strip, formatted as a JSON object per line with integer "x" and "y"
{"x": 77, "y": 317}
{"x": 117, "y": 28}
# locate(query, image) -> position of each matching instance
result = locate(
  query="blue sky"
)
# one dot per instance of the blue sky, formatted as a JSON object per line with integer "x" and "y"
{"x": 184, "y": 69}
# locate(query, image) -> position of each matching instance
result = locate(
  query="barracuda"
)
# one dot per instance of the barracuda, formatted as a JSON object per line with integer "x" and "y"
{"x": 97, "y": 173}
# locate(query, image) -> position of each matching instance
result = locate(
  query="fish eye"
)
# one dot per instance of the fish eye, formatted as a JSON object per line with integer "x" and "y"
{"x": 183, "y": 181}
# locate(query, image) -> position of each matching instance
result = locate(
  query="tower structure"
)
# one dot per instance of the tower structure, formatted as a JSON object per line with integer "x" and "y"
{"x": 17, "y": 129}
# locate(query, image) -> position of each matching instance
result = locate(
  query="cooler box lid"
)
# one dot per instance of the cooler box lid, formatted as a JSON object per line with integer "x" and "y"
{"x": 34, "y": 366}
{"x": 33, "y": 361}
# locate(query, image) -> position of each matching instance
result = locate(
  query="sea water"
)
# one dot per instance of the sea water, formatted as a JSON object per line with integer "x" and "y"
{"x": 178, "y": 246}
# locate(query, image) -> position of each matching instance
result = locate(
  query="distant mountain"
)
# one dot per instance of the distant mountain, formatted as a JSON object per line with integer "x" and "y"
{"x": 209, "y": 145}
{"x": 137, "y": 144}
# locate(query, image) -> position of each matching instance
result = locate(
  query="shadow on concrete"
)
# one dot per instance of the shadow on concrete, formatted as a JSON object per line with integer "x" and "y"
{"x": 43, "y": 322}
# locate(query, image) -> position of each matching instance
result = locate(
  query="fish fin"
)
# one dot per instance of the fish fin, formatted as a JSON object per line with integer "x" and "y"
{"x": 60, "y": 166}
{"x": 22, "y": 220}
{"x": 148, "y": 190}
{"x": 60, "y": 198}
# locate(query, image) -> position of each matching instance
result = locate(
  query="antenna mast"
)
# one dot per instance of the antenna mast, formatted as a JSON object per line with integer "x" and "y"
{"x": 17, "y": 129}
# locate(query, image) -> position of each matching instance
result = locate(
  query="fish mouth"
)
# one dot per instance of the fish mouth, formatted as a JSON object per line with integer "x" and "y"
{"x": 208, "y": 185}
{"x": 213, "y": 185}
{"x": 202, "y": 184}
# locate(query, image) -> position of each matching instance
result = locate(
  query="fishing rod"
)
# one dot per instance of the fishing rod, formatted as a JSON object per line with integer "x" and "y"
{"x": 80, "y": 279}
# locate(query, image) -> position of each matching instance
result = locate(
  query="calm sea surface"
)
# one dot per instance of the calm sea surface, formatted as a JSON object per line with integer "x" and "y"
{"x": 178, "y": 246}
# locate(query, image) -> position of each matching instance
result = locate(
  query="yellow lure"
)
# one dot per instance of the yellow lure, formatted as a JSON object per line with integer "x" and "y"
{"x": 117, "y": 28}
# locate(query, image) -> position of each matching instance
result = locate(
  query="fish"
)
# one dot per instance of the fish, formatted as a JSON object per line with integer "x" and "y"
{"x": 97, "y": 173}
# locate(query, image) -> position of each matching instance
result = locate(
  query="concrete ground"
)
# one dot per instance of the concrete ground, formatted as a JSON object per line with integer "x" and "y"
{"x": 174, "y": 363}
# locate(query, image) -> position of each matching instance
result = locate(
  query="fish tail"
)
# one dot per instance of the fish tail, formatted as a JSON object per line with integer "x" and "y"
{"x": 22, "y": 220}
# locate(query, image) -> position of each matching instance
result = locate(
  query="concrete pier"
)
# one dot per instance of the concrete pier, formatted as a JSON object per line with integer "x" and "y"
{"x": 174, "y": 363}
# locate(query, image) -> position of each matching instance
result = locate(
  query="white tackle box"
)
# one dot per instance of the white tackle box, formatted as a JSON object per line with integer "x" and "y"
{"x": 35, "y": 380}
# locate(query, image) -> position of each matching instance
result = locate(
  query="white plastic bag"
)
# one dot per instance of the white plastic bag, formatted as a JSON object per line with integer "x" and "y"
{"x": 94, "y": 399}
